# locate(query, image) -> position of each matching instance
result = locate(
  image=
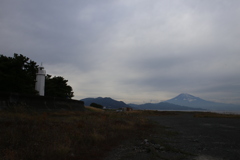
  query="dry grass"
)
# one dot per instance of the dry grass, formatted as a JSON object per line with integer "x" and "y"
{"x": 94, "y": 109}
{"x": 64, "y": 134}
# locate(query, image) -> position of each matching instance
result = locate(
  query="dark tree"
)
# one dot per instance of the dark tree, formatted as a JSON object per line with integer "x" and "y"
{"x": 17, "y": 74}
{"x": 96, "y": 105}
{"x": 58, "y": 87}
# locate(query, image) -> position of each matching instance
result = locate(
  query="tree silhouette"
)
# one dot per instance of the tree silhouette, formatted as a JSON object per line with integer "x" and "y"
{"x": 96, "y": 105}
{"x": 17, "y": 74}
{"x": 58, "y": 87}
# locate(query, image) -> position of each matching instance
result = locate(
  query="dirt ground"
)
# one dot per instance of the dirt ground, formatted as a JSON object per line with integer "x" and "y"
{"x": 184, "y": 137}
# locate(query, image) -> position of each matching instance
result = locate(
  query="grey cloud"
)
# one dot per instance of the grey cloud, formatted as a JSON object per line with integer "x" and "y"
{"x": 129, "y": 46}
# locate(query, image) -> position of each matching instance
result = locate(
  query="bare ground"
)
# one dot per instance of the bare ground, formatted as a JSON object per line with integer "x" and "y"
{"x": 184, "y": 137}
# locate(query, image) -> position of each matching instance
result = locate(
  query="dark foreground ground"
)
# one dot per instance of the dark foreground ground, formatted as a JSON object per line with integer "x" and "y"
{"x": 184, "y": 136}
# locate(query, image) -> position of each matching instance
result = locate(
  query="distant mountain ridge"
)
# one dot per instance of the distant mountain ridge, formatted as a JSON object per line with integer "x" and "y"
{"x": 106, "y": 102}
{"x": 185, "y": 99}
{"x": 163, "y": 106}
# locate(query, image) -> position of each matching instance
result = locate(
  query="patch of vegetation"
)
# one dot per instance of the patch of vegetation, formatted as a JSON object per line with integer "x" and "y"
{"x": 93, "y": 109}
{"x": 96, "y": 105}
{"x": 18, "y": 75}
{"x": 65, "y": 134}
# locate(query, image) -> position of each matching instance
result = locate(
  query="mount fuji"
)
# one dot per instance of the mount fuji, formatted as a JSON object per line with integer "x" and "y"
{"x": 185, "y": 99}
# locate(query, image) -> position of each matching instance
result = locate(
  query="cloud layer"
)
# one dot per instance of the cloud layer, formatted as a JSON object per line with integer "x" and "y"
{"x": 135, "y": 51}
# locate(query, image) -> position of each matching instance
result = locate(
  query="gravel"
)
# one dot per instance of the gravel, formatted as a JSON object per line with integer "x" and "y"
{"x": 185, "y": 137}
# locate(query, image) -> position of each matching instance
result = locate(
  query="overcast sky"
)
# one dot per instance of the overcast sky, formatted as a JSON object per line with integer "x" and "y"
{"x": 135, "y": 51}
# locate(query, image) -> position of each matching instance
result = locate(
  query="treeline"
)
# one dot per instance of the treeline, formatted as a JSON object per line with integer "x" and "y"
{"x": 96, "y": 105}
{"x": 18, "y": 75}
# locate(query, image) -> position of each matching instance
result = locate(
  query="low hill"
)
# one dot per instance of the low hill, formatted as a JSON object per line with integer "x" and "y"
{"x": 107, "y": 102}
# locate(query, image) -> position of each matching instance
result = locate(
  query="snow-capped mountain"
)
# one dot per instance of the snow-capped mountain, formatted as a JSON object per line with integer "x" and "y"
{"x": 188, "y": 100}
{"x": 186, "y": 97}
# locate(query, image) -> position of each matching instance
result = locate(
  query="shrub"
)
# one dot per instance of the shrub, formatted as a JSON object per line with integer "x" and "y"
{"x": 96, "y": 105}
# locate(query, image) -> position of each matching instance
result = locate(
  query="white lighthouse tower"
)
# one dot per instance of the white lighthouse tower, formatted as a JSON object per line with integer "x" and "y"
{"x": 40, "y": 80}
